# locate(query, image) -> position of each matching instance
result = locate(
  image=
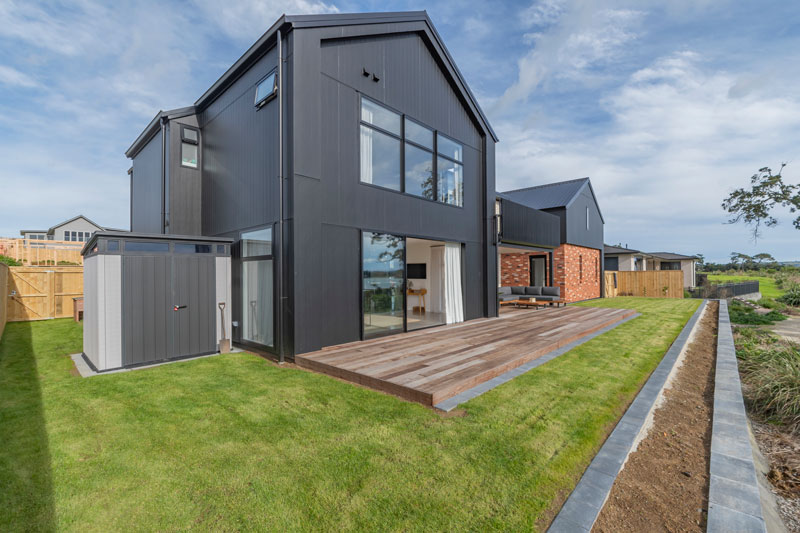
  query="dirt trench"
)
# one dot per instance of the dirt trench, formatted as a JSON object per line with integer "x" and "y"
{"x": 664, "y": 485}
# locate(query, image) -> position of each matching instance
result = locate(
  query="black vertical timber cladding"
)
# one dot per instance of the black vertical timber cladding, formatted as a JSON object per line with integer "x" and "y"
{"x": 575, "y": 222}
{"x": 146, "y": 188}
{"x": 329, "y": 205}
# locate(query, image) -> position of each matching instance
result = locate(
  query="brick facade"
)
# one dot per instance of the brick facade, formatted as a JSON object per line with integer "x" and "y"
{"x": 577, "y": 271}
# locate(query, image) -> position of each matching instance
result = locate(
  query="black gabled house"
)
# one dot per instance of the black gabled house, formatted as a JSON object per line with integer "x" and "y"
{"x": 354, "y": 169}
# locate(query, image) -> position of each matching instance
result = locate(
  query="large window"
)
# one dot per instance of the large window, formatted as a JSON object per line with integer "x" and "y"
{"x": 403, "y": 155}
{"x": 257, "y": 324}
{"x": 383, "y": 281}
{"x": 670, "y": 265}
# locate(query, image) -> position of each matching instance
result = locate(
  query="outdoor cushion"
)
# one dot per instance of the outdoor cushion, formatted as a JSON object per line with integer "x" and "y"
{"x": 533, "y": 291}
{"x": 507, "y": 297}
{"x": 551, "y": 291}
{"x": 504, "y": 290}
{"x": 517, "y": 290}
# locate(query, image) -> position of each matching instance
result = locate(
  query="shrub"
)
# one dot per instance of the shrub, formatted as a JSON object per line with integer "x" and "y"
{"x": 791, "y": 296}
{"x": 741, "y": 314}
{"x": 9, "y": 261}
{"x": 771, "y": 371}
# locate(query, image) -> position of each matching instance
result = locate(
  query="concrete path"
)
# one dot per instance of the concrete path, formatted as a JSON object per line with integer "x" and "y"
{"x": 788, "y": 329}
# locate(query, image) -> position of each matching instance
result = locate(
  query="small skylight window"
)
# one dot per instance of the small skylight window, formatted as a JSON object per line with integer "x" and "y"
{"x": 266, "y": 89}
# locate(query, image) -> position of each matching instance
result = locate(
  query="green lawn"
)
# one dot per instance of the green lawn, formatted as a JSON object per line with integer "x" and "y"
{"x": 765, "y": 284}
{"x": 236, "y": 443}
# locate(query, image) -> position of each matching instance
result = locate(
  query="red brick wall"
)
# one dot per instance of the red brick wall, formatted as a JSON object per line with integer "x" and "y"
{"x": 575, "y": 285}
{"x": 515, "y": 269}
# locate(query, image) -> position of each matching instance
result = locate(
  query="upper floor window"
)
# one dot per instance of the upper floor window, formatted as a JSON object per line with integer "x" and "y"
{"x": 190, "y": 141}
{"x": 450, "y": 173}
{"x": 400, "y": 154}
{"x": 266, "y": 89}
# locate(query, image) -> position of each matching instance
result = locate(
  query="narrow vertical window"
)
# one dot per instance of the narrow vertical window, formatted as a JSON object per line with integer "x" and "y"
{"x": 190, "y": 147}
{"x": 587, "y": 218}
{"x": 450, "y": 171}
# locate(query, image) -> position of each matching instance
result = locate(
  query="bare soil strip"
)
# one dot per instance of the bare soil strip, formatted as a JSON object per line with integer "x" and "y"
{"x": 664, "y": 484}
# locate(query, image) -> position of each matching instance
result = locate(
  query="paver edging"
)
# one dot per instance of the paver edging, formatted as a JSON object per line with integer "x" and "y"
{"x": 584, "y": 504}
{"x": 733, "y": 496}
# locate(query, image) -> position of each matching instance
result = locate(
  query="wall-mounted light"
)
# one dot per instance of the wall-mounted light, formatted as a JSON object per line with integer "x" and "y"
{"x": 375, "y": 78}
{"x": 364, "y": 73}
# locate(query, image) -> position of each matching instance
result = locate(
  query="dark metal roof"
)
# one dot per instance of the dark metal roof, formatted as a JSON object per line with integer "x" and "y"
{"x": 153, "y": 127}
{"x": 672, "y": 256}
{"x": 150, "y": 237}
{"x": 285, "y": 23}
{"x": 608, "y": 249}
{"x": 552, "y": 195}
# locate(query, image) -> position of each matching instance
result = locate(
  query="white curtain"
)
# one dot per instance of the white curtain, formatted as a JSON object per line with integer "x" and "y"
{"x": 436, "y": 291}
{"x": 454, "y": 305}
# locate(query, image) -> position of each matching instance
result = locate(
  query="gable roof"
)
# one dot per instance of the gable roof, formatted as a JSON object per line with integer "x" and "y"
{"x": 553, "y": 195}
{"x": 672, "y": 256}
{"x": 288, "y": 22}
{"x": 618, "y": 250}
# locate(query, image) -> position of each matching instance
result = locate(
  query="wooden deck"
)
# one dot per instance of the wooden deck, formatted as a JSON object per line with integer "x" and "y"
{"x": 431, "y": 365}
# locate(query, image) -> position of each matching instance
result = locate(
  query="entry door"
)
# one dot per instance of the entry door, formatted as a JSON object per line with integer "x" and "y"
{"x": 537, "y": 271}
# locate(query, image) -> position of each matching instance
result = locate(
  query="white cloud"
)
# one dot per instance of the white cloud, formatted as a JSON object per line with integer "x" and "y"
{"x": 676, "y": 145}
{"x": 14, "y": 78}
{"x": 246, "y": 20}
{"x": 580, "y": 37}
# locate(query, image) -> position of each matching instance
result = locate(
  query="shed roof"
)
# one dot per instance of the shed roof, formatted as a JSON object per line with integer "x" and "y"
{"x": 552, "y": 195}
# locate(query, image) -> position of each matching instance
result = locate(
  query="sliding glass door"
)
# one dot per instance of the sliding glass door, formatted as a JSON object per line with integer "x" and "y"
{"x": 383, "y": 284}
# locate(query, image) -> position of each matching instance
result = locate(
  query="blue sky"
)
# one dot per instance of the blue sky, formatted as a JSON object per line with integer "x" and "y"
{"x": 667, "y": 106}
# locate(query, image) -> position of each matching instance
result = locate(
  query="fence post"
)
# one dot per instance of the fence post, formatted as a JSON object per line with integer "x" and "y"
{"x": 51, "y": 293}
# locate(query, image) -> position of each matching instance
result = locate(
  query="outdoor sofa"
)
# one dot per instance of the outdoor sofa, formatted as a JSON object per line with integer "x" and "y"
{"x": 505, "y": 294}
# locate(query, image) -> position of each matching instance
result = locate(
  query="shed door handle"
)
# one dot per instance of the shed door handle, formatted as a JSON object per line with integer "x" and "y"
{"x": 178, "y": 307}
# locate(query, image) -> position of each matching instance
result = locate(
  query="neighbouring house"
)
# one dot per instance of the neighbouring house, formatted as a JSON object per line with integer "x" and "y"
{"x": 627, "y": 259}
{"x": 574, "y": 261}
{"x": 76, "y": 229}
{"x": 353, "y": 169}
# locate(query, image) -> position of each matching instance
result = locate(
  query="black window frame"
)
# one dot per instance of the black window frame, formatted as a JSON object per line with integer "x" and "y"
{"x": 185, "y": 139}
{"x": 403, "y": 140}
{"x": 260, "y": 103}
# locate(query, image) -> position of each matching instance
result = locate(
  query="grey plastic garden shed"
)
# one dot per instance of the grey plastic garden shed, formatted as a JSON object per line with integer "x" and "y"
{"x": 150, "y": 298}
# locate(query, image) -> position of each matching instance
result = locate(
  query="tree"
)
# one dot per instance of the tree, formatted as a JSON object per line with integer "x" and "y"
{"x": 701, "y": 261}
{"x": 754, "y": 206}
{"x": 739, "y": 259}
{"x": 760, "y": 258}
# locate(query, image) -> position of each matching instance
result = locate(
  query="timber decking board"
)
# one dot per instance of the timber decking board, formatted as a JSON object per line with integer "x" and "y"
{"x": 431, "y": 365}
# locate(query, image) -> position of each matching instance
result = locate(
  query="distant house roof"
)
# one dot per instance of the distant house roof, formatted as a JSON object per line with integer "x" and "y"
{"x": 552, "y": 195}
{"x": 618, "y": 250}
{"x": 52, "y": 229}
{"x": 672, "y": 256}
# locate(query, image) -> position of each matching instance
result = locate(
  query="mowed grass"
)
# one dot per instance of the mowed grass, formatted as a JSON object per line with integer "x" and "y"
{"x": 765, "y": 284}
{"x": 234, "y": 442}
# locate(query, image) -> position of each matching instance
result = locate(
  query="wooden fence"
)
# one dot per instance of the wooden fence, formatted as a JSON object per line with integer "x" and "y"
{"x": 3, "y": 296}
{"x": 650, "y": 283}
{"x": 37, "y": 252}
{"x": 37, "y": 293}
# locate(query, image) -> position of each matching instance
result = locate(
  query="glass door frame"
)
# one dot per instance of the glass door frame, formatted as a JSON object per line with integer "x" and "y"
{"x": 362, "y": 233}
{"x": 236, "y": 289}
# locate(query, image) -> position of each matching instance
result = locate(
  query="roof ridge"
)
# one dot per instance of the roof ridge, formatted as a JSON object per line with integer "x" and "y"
{"x": 547, "y": 185}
